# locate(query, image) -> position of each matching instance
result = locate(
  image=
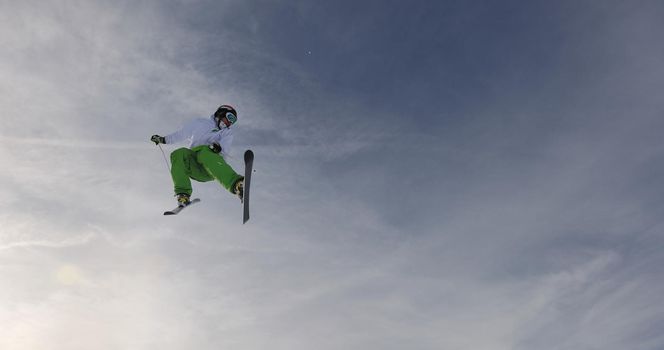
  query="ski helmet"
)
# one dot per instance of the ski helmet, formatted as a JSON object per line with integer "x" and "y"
{"x": 225, "y": 111}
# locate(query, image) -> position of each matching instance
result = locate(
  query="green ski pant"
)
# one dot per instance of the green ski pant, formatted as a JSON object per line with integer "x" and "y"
{"x": 202, "y": 165}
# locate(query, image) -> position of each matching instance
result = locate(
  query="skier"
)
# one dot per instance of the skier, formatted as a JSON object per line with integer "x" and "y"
{"x": 209, "y": 141}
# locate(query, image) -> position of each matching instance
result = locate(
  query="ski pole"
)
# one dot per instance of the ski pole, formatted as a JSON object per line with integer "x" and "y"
{"x": 168, "y": 167}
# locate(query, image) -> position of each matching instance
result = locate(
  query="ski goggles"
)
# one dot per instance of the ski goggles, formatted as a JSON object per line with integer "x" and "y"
{"x": 232, "y": 118}
{"x": 228, "y": 119}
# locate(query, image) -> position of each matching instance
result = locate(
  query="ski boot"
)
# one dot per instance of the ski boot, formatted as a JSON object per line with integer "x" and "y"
{"x": 183, "y": 199}
{"x": 238, "y": 188}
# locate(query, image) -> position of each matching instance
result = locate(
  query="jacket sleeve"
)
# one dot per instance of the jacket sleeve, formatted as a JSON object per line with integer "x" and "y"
{"x": 225, "y": 140}
{"x": 181, "y": 135}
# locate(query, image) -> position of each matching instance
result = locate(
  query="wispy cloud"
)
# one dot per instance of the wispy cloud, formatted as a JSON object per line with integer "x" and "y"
{"x": 71, "y": 143}
{"x": 69, "y": 242}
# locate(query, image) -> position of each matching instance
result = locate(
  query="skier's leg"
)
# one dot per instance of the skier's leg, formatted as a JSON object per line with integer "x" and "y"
{"x": 217, "y": 167}
{"x": 184, "y": 167}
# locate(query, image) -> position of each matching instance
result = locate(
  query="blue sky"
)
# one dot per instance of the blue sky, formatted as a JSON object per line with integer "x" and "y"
{"x": 429, "y": 175}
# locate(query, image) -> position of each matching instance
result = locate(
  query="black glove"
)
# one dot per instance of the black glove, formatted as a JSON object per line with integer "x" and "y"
{"x": 158, "y": 139}
{"x": 215, "y": 147}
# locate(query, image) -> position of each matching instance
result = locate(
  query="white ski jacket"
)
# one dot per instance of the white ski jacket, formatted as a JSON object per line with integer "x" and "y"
{"x": 202, "y": 131}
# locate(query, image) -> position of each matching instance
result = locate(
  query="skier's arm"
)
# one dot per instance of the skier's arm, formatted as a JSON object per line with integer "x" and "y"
{"x": 180, "y": 135}
{"x": 225, "y": 140}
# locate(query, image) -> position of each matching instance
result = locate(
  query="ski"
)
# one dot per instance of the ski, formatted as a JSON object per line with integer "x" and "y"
{"x": 248, "y": 166}
{"x": 180, "y": 207}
